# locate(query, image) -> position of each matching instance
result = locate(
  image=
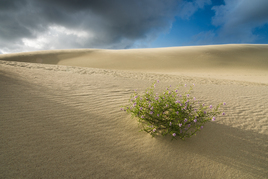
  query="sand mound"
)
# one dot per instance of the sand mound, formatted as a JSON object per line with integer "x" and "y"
{"x": 236, "y": 62}
{"x": 65, "y": 121}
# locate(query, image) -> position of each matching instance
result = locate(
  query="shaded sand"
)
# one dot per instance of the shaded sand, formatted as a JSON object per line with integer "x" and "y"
{"x": 64, "y": 122}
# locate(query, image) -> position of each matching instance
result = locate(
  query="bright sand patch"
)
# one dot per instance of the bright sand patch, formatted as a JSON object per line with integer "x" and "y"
{"x": 65, "y": 122}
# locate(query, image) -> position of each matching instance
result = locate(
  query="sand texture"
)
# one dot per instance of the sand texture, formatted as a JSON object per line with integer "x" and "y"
{"x": 60, "y": 113}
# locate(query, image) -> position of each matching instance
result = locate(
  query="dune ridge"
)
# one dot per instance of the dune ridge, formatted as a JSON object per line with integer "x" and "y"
{"x": 64, "y": 121}
{"x": 244, "y": 62}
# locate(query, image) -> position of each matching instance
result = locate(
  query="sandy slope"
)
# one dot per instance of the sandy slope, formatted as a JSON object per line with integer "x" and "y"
{"x": 64, "y": 122}
{"x": 236, "y": 62}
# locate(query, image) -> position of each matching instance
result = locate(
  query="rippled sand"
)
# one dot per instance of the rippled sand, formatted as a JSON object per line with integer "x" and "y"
{"x": 60, "y": 114}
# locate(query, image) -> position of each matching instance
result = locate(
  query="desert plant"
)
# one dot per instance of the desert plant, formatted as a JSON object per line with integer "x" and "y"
{"x": 170, "y": 112}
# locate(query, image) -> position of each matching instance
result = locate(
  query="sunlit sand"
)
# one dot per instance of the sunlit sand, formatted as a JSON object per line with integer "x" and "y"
{"x": 60, "y": 113}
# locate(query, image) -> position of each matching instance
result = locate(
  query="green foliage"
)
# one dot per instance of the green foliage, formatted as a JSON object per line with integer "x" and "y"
{"x": 170, "y": 112}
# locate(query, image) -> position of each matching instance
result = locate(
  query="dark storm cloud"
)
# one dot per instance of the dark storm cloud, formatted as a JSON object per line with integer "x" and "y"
{"x": 27, "y": 25}
{"x": 10, "y": 28}
{"x": 105, "y": 23}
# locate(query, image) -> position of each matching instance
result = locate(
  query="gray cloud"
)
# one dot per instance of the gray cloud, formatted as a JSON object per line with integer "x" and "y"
{"x": 48, "y": 24}
{"x": 28, "y": 25}
{"x": 237, "y": 19}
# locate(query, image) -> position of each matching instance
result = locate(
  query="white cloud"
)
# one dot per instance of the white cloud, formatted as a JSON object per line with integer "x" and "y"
{"x": 189, "y": 8}
{"x": 238, "y": 18}
{"x": 236, "y": 21}
{"x": 56, "y": 37}
{"x": 37, "y": 43}
{"x": 56, "y": 30}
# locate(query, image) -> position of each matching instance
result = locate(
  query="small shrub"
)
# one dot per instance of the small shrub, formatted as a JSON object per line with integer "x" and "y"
{"x": 170, "y": 112}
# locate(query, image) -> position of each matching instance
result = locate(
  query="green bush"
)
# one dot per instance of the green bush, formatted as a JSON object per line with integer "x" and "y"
{"x": 170, "y": 112}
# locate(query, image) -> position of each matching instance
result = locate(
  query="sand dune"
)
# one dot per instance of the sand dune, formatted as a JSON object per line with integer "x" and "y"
{"x": 60, "y": 117}
{"x": 236, "y": 62}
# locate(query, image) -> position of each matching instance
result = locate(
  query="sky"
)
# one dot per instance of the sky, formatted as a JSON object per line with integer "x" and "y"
{"x": 32, "y": 25}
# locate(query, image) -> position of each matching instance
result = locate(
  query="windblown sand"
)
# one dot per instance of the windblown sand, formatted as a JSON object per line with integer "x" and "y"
{"x": 60, "y": 113}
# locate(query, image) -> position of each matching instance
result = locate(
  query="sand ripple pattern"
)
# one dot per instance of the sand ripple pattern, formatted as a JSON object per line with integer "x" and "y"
{"x": 65, "y": 122}
{"x": 128, "y": 74}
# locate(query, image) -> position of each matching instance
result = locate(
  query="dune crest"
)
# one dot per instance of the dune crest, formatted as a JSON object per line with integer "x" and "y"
{"x": 244, "y": 62}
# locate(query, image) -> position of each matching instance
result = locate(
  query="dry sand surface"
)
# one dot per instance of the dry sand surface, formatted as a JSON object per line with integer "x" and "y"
{"x": 60, "y": 116}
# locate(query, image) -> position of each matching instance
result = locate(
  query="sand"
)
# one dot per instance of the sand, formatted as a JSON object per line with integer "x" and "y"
{"x": 60, "y": 113}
